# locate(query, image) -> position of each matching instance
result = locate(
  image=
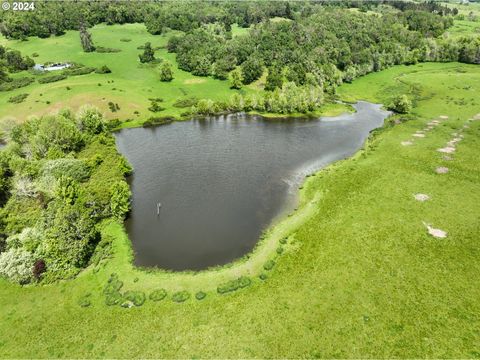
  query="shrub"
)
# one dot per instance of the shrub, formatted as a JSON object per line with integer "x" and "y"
{"x": 35, "y": 54}
{"x": 74, "y": 168}
{"x": 120, "y": 199}
{"x": 124, "y": 166}
{"x": 157, "y": 121}
{"x": 114, "y": 123}
{"x": 156, "y": 107}
{"x": 401, "y": 104}
{"x": 79, "y": 71}
{"x": 16, "y": 83}
{"x": 16, "y": 264}
{"x": 84, "y": 301}
{"x": 103, "y": 70}
{"x": 18, "y": 98}
{"x": 283, "y": 241}
{"x": 279, "y": 250}
{"x": 90, "y": 120}
{"x": 158, "y": 295}
{"x": 269, "y": 265}
{"x": 112, "y": 291}
{"x": 234, "y": 285}
{"x": 113, "y": 299}
{"x": 166, "y": 72}
{"x": 200, "y": 295}
{"x": 52, "y": 78}
{"x": 181, "y": 296}
{"x": 101, "y": 49}
{"x": 188, "y": 102}
{"x": 263, "y": 276}
{"x": 125, "y": 40}
{"x": 135, "y": 297}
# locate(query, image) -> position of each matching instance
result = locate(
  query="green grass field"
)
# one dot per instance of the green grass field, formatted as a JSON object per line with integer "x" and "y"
{"x": 130, "y": 85}
{"x": 359, "y": 275}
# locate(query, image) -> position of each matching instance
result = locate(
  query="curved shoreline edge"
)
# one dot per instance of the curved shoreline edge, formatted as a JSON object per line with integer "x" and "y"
{"x": 282, "y": 227}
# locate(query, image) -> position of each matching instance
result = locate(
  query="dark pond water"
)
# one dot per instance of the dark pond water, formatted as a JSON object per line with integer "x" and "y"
{"x": 222, "y": 181}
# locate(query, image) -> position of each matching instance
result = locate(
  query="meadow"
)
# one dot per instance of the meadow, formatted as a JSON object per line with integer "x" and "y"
{"x": 131, "y": 84}
{"x": 358, "y": 274}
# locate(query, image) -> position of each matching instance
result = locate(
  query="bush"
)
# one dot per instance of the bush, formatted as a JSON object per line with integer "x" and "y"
{"x": 124, "y": 166}
{"x": 73, "y": 168}
{"x": 16, "y": 264}
{"x": 114, "y": 123}
{"x": 181, "y": 296}
{"x": 157, "y": 121}
{"x": 35, "y": 54}
{"x": 16, "y": 83}
{"x": 52, "y": 78}
{"x": 79, "y": 71}
{"x": 120, "y": 199}
{"x": 234, "y": 285}
{"x": 401, "y": 104}
{"x": 101, "y": 49}
{"x": 90, "y": 120}
{"x": 112, "y": 291}
{"x": 135, "y": 297}
{"x": 166, "y": 72}
{"x": 103, "y": 70}
{"x": 113, "y": 107}
{"x": 263, "y": 276}
{"x": 187, "y": 102}
{"x": 279, "y": 250}
{"x": 269, "y": 265}
{"x": 158, "y": 295}
{"x": 200, "y": 295}
{"x": 125, "y": 40}
{"x": 156, "y": 107}
{"x": 84, "y": 301}
{"x": 283, "y": 241}
{"x": 18, "y": 98}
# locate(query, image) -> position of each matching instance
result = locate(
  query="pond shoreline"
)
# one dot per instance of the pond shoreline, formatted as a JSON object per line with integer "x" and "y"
{"x": 296, "y": 179}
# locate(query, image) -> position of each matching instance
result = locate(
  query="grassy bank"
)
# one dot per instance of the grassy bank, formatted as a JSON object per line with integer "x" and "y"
{"x": 358, "y": 277}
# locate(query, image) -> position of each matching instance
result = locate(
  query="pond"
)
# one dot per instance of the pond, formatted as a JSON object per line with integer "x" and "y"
{"x": 222, "y": 181}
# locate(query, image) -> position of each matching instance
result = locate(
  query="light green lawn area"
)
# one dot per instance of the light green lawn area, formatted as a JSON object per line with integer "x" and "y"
{"x": 359, "y": 277}
{"x": 465, "y": 28}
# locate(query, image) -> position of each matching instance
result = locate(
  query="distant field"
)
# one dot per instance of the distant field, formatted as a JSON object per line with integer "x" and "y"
{"x": 130, "y": 84}
{"x": 465, "y": 27}
{"x": 359, "y": 276}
